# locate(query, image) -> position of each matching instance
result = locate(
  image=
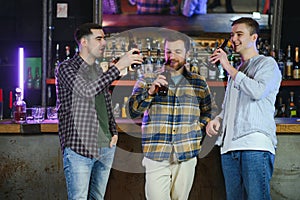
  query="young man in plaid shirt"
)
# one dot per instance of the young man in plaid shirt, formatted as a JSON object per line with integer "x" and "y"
{"x": 173, "y": 122}
{"x": 87, "y": 128}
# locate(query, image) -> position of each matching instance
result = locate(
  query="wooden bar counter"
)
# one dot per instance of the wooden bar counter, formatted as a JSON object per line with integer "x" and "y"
{"x": 283, "y": 125}
{"x": 31, "y": 164}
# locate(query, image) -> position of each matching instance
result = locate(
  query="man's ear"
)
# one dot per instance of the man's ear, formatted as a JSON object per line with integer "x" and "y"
{"x": 187, "y": 55}
{"x": 83, "y": 41}
{"x": 255, "y": 37}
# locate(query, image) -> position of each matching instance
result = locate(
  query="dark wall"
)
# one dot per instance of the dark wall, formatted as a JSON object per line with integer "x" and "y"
{"x": 21, "y": 26}
{"x": 21, "y": 23}
{"x": 290, "y": 33}
{"x": 79, "y": 11}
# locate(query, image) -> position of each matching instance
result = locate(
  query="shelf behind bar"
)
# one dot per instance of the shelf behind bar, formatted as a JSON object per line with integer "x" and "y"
{"x": 51, "y": 81}
{"x": 290, "y": 83}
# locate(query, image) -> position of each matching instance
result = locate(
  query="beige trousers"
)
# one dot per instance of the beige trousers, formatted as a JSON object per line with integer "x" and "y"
{"x": 166, "y": 181}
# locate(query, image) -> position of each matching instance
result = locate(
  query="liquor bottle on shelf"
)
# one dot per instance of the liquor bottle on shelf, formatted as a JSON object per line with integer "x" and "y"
{"x": 291, "y": 109}
{"x": 117, "y": 110}
{"x": 19, "y": 108}
{"x": 56, "y": 62}
{"x": 280, "y": 62}
{"x": 113, "y": 44}
{"x": 212, "y": 73}
{"x": 140, "y": 69}
{"x": 231, "y": 58}
{"x": 138, "y": 45}
{"x": 124, "y": 112}
{"x": 132, "y": 68}
{"x": 194, "y": 64}
{"x": 67, "y": 52}
{"x": 159, "y": 60}
{"x": 51, "y": 98}
{"x": 273, "y": 51}
{"x": 37, "y": 79}
{"x": 131, "y": 42}
{"x": 280, "y": 108}
{"x": 203, "y": 70}
{"x": 123, "y": 46}
{"x": 113, "y": 57}
{"x": 10, "y": 105}
{"x": 221, "y": 73}
{"x": 29, "y": 82}
{"x": 266, "y": 48}
{"x": 289, "y": 63}
{"x": 188, "y": 63}
{"x": 76, "y": 49}
{"x": 296, "y": 69}
{"x": 149, "y": 60}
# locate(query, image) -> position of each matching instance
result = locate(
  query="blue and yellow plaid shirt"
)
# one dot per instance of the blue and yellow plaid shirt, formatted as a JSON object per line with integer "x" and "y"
{"x": 172, "y": 123}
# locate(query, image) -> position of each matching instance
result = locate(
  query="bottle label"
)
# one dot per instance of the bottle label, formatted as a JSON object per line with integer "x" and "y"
{"x": 212, "y": 74}
{"x": 289, "y": 68}
{"x": 293, "y": 113}
{"x": 204, "y": 71}
{"x": 296, "y": 74}
{"x": 124, "y": 115}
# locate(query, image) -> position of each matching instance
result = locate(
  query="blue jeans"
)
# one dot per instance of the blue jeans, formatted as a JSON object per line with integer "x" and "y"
{"x": 87, "y": 178}
{"x": 247, "y": 174}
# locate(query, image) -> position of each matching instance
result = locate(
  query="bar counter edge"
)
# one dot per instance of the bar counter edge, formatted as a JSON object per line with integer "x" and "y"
{"x": 283, "y": 125}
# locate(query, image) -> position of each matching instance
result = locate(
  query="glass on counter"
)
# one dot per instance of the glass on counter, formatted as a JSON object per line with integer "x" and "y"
{"x": 51, "y": 113}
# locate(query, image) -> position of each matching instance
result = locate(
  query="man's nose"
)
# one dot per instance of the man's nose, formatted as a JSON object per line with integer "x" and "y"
{"x": 171, "y": 55}
{"x": 233, "y": 38}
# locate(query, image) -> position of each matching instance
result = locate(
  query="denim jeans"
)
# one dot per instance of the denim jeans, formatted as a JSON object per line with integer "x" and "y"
{"x": 87, "y": 178}
{"x": 247, "y": 174}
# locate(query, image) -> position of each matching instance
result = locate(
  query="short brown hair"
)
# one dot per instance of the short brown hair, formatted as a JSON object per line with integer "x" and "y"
{"x": 251, "y": 23}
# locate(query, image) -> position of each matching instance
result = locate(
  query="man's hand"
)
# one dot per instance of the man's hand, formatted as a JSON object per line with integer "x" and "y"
{"x": 128, "y": 59}
{"x": 221, "y": 56}
{"x": 159, "y": 81}
{"x": 113, "y": 141}
{"x": 212, "y": 128}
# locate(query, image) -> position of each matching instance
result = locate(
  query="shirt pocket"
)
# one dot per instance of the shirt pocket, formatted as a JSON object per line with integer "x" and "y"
{"x": 189, "y": 106}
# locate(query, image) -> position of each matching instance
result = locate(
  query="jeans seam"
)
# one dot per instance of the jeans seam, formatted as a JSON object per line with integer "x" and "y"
{"x": 264, "y": 175}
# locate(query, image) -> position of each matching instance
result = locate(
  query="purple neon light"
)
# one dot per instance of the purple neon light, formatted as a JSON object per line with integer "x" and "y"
{"x": 21, "y": 70}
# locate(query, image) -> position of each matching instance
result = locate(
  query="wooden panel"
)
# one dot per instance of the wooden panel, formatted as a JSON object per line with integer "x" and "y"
{"x": 9, "y": 128}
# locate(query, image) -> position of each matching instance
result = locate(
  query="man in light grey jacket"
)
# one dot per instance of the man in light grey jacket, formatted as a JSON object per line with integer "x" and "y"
{"x": 246, "y": 123}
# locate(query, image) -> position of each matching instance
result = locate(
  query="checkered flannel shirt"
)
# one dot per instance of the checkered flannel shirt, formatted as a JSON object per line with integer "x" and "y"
{"x": 76, "y": 91}
{"x": 174, "y": 122}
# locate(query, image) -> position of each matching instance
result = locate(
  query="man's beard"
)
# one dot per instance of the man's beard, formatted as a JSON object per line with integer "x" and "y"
{"x": 177, "y": 65}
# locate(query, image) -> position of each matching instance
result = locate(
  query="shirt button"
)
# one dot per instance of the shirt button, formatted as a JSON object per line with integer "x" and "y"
{"x": 173, "y": 131}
